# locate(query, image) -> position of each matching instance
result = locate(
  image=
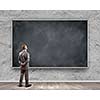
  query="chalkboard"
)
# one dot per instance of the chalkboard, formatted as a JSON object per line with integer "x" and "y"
{"x": 51, "y": 43}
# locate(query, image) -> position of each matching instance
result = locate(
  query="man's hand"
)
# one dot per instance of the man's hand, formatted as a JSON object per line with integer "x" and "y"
{"x": 23, "y": 64}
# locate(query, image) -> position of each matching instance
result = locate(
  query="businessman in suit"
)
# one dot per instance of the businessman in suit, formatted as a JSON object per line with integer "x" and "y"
{"x": 24, "y": 58}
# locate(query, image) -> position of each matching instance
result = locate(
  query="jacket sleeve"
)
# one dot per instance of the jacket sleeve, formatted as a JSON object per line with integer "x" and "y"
{"x": 18, "y": 59}
{"x": 28, "y": 57}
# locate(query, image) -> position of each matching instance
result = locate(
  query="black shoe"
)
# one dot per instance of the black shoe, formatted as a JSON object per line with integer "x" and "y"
{"x": 28, "y": 85}
{"x": 20, "y": 85}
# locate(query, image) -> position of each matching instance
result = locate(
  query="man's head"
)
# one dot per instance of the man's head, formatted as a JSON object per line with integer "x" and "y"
{"x": 24, "y": 46}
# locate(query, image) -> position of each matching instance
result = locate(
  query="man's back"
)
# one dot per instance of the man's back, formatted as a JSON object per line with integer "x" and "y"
{"x": 24, "y": 58}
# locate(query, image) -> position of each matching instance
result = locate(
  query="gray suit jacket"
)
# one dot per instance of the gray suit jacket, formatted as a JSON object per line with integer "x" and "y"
{"x": 27, "y": 65}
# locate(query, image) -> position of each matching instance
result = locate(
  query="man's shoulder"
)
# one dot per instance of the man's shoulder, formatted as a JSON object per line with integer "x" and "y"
{"x": 20, "y": 52}
{"x": 23, "y": 51}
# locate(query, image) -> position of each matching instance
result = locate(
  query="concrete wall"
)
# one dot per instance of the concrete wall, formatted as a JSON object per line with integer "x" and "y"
{"x": 92, "y": 73}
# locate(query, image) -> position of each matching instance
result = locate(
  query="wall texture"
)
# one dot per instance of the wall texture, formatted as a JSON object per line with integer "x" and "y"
{"x": 92, "y": 73}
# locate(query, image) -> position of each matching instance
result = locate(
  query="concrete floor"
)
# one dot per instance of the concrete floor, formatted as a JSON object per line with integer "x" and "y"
{"x": 52, "y": 86}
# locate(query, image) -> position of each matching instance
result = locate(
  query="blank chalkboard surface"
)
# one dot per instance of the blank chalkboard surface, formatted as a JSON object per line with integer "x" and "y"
{"x": 51, "y": 43}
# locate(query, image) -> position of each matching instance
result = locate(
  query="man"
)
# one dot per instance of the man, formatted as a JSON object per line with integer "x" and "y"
{"x": 24, "y": 59}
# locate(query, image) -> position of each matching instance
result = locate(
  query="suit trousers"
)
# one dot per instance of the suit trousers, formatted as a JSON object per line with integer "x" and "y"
{"x": 22, "y": 73}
